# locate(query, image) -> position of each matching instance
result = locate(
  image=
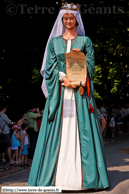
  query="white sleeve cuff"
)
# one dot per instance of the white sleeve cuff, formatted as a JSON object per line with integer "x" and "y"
{"x": 61, "y": 75}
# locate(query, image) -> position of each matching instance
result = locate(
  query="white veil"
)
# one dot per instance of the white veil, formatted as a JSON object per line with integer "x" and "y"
{"x": 58, "y": 30}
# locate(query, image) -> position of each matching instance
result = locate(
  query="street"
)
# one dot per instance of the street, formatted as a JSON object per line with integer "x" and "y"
{"x": 117, "y": 156}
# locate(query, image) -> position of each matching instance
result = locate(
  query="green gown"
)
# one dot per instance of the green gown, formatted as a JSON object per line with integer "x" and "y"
{"x": 44, "y": 165}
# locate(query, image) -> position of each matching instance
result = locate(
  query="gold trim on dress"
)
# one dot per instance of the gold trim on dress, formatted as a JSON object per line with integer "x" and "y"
{"x": 69, "y": 39}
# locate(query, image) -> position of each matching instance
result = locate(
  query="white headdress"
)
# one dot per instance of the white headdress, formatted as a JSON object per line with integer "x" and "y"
{"x": 58, "y": 30}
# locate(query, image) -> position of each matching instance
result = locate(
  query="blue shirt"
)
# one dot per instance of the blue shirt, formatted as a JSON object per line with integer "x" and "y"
{"x": 14, "y": 141}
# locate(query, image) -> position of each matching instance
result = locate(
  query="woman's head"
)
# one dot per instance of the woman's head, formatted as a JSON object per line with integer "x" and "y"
{"x": 69, "y": 20}
{"x": 57, "y": 30}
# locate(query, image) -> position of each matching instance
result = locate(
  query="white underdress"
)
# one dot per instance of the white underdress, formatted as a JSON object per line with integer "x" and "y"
{"x": 69, "y": 174}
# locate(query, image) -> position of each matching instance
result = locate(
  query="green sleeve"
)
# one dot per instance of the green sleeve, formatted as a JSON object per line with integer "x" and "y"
{"x": 90, "y": 59}
{"x": 52, "y": 80}
{"x": 32, "y": 115}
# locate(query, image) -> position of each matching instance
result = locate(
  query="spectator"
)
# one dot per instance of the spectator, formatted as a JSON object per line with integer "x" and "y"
{"x": 110, "y": 107}
{"x": 15, "y": 143}
{"x": 19, "y": 123}
{"x": 4, "y": 125}
{"x": 24, "y": 141}
{"x": 19, "y": 147}
{"x": 105, "y": 129}
{"x": 124, "y": 117}
{"x": 102, "y": 120}
{"x": 112, "y": 124}
{"x": 22, "y": 120}
{"x": 33, "y": 115}
{"x": 128, "y": 108}
{"x": 108, "y": 126}
{"x": 119, "y": 121}
{"x": 127, "y": 116}
{"x": 103, "y": 111}
{"x": 114, "y": 109}
{"x": 40, "y": 120}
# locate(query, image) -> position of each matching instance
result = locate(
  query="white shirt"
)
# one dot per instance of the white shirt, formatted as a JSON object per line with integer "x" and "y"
{"x": 112, "y": 122}
{"x": 103, "y": 110}
{"x": 26, "y": 138}
{"x": 99, "y": 114}
{"x": 61, "y": 75}
{"x": 123, "y": 112}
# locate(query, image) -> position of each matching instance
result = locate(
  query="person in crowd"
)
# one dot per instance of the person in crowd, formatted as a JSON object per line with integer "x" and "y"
{"x": 124, "y": 117}
{"x": 115, "y": 110}
{"x": 33, "y": 115}
{"x": 15, "y": 143}
{"x": 19, "y": 123}
{"x": 40, "y": 119}
{"x": 102, "y": 120}
{"x": 19, "y": 147}
{"x": 127, "y": 116}
{"x": 4, "y": 125}
{"x": 22, "y": 120}
{"x": 105, "y": 129}
{"x": 110, "y": 107}
{"x": 24, "y": 143}
{"x": 112, "y": 125}
{"x": 119, "y": 121}
{"x": 103, "y": 111}
{"x": 128, "y": 108}
{"x": 108, "y": 126}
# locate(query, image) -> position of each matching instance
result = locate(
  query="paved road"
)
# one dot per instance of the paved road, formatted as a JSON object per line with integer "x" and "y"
{"x": 117, "y": 162}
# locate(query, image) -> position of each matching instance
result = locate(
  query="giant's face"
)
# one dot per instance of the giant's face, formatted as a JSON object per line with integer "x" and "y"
{"x": 69, "y": 20}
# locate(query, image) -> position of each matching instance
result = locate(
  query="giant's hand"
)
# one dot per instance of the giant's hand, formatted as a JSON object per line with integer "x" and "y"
{"x": 67, "y": 83}
{"x": 76, "y": 50}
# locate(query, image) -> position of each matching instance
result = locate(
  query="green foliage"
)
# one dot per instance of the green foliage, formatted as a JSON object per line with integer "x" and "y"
{"x": 96, "y": 95}
{"x": 97, "y": 78}
{"x": 35, "y": 75}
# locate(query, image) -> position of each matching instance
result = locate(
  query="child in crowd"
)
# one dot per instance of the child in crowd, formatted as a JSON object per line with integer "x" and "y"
{"x": 19, "y": 147}
{"x": 24, "y": 143}
{"x": 105, "y": 129}
{"x": 15, "y": 143}
{"x": 112, "y": 125}
{"x": 119, "y": 121}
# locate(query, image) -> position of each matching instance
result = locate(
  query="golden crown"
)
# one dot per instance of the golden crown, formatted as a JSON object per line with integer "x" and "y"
{"x": 71, "y": 6}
